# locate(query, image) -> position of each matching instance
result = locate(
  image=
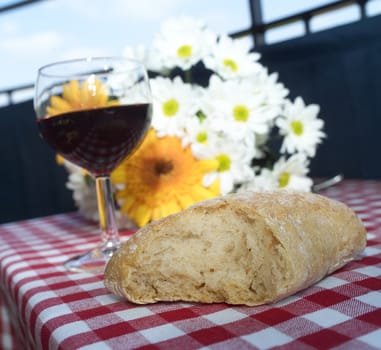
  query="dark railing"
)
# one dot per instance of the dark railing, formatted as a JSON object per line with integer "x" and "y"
{"x": 10, "y": 93}
{"x": 17, "y": 5}
{"x": 257, "y": 29}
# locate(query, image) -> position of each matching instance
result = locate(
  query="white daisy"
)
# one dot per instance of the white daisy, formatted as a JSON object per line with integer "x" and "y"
{"x": 288, "y": 173}
{"x": 130, "y": 88}
{"x": 182, "y": 42}
{"x": 173, "y": 103}
{"x": 84, "y": 194}
{"x": 234, "y": 164}
{"x": 275, "y": 91}
{"x": 291, "y": 173}
{"x": 301, "y": 128}
{"x": 232, "y": 58}
{"x": 272, "y": 92}
{"x": 143, "y": 54}
{"x": 262, "y": 182}
{"x": 199, "y": 134}
{"x": 238, "y": 111}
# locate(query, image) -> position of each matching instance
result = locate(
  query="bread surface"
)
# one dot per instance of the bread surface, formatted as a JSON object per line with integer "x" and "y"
{"x": 247, "y": 248}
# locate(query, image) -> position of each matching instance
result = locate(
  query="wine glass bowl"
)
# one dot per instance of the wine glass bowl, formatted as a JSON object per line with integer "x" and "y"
{"x": 94, "y": 112}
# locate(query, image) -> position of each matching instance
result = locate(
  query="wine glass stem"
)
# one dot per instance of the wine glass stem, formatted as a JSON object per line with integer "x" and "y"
{"x": 106, "y": 210}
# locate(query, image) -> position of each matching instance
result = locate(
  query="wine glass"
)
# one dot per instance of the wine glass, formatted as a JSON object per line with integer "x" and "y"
{"x": 94, "y": 112}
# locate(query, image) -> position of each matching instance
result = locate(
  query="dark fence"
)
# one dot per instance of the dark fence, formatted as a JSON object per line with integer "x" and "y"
{"x": 32, "y": 184}
{"x": 340, "y": 70}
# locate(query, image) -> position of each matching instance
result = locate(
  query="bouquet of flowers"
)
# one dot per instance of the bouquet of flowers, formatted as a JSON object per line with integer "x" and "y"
{"x": 221, "y": 123}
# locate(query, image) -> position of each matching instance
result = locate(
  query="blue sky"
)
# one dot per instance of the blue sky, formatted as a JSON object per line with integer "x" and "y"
{"x": 60, "y": 29}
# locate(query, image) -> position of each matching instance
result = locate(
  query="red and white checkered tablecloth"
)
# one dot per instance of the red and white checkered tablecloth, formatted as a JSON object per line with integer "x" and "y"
{"x": 44, "y": 307}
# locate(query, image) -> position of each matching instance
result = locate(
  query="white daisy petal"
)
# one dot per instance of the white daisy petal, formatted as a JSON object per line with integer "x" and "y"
{"x": 301, "y": 128}
{"x": 182, "y": 42}
{"x": 232, "y": 58}
{"x": 173, "y": 103}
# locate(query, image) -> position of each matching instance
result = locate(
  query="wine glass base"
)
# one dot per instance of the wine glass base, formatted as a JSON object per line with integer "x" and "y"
{"x": 94, "y": 261}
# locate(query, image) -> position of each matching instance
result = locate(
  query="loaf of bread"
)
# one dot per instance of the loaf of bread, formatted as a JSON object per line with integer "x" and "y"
{"x": 247, "y": 248}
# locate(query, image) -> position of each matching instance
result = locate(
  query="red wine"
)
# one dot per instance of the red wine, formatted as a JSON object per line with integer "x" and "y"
{"x": 97, "y": 139}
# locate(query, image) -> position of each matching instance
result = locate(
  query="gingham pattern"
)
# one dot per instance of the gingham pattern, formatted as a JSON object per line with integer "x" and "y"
{"x": 42, "y": 306}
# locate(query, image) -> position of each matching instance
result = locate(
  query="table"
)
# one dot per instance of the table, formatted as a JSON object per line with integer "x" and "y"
{"x": 45, "y": 307}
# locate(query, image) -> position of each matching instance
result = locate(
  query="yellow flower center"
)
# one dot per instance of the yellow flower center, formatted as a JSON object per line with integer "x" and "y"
{"x": 184, "y": 51}
{"x": 241, "y": 113}
{"x": 284, "y": 179}
{"x": 297, "y": 127}
{"x": 230, "y": 64}
{"x": 170, "y": 107}
{"x": 224, "y": 162}
{"x": 202, "y": 137}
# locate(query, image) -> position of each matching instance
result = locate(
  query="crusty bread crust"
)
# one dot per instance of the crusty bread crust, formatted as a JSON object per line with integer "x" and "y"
{"x": 247, "y": 248}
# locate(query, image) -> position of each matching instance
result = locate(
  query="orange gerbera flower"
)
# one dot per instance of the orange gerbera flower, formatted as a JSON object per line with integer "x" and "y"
{"x": 91, "y": 94}
{"x": 162, "y": 178}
